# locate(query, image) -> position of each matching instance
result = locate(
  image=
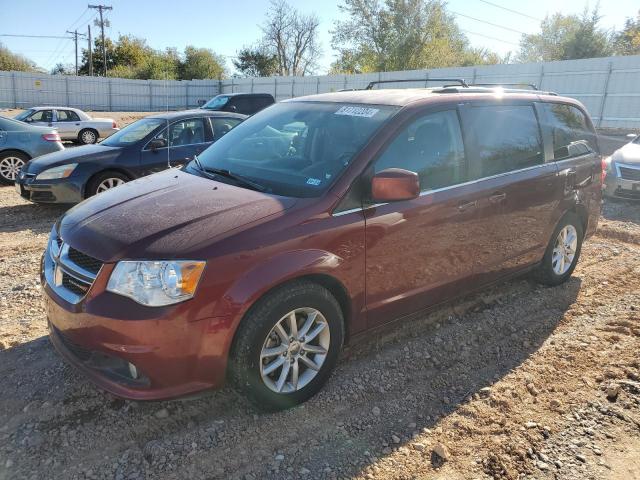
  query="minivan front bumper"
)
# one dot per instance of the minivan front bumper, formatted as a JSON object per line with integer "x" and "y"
{"x": 133, "y": 351}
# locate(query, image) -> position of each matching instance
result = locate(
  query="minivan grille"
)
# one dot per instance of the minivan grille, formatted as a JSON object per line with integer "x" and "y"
{"x": 629, "y": 173}
{"x": 85, "y": 261}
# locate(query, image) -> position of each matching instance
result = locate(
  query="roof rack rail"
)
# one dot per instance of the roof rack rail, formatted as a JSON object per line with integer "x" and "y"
{"x": 498, "y": 84}
{"x": 459, "y": 81}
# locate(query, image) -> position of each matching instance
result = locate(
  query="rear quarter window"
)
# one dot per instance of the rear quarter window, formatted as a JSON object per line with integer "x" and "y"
{"x": 571, "y": 133}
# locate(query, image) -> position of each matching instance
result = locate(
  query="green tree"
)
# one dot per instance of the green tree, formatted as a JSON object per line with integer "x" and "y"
{"x": 400, "y": 35}
{"x": 62, "y": 69}
{"x": 200, "y": 63}
{"x": 14, "y": 61}
{"x": 567, "y": 37}
{"x": 628, "y": 39}
{"x": 256, "y": 62}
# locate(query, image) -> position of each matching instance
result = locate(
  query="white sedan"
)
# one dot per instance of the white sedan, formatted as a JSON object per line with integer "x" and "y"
{"x": 71, "y": 123}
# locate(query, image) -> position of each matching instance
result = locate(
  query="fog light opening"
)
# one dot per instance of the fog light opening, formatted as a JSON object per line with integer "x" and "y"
{"x": 133, "y": 371}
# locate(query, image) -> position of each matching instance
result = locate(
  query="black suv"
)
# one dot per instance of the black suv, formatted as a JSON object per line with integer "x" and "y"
{"x": 245, "y": 103}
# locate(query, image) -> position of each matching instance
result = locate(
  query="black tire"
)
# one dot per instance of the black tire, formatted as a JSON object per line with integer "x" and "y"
{"x": 94, "y": 183}
{"x": 545, "y": 273}
{"x": 245, "y": 362}
{"x": 8, "y": 160}
{"x": 87, "y": 136}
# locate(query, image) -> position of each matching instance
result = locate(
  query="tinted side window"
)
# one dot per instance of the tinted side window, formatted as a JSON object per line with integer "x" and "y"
{"x": 243, "y": 105}
{"x": 430, "y": 146}
{"x": 570, "y": 131}
{"x": 507, "y": 138}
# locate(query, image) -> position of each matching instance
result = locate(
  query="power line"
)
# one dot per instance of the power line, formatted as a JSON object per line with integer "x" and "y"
{"x": 511, "y": 10}
{"x": 489, "y": 23}
{"x": 75, "y": 41}
{"x": 33, "y": 36}
{"x": 490, "y": 37}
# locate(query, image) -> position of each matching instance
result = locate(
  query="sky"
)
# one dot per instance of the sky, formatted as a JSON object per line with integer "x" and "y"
{"x": 225, "y": 26}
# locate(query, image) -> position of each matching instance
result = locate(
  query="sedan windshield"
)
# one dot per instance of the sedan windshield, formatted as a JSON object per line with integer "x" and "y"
{"x": 134, "y": 132}
{"x": 296, "y": 148}
{"x": 216, "y": 103}
{"x": 23, "y": 115}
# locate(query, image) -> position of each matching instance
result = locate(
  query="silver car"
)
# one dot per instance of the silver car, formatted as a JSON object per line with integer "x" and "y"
{"x": 19, "y": 143}
{"x": 71, "y": 123}
{"x": 623, "y": 171}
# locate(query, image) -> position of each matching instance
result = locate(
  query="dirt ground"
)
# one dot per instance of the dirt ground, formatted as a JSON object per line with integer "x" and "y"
{"x": 521, "y": 381}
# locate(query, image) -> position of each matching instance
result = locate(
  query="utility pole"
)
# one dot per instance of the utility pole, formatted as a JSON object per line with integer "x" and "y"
{"x": 90, "y": 51}
{"x": 75, "y": 40}
{"x": 100, "y": 9}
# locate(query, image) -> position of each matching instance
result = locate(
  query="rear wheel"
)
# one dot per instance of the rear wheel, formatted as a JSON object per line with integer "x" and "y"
{"x": 11, "y": 163}
{"x": 287, "y": 346}
{"x": 105, "y": 181}
{"x": 87, "y": 136}
{"x": 563, "y": 251}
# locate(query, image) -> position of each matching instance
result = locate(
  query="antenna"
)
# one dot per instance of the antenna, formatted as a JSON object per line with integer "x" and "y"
{"x": 166, "y": 93}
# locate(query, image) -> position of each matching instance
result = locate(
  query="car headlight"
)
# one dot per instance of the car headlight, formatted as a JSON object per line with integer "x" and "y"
{"x": 63, "y": 171}
{"x": 156, "y": 283}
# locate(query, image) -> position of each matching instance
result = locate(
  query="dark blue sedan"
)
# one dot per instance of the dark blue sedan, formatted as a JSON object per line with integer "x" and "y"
{"x": 147, "y": 146}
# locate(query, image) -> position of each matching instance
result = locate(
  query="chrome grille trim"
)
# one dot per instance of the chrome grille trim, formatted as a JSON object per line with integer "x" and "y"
{"x": 57, "y": 257}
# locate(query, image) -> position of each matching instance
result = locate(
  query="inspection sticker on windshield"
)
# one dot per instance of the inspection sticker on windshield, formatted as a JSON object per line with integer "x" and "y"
{"x": 313, "y": 181}
{"x": 357, "y": 111}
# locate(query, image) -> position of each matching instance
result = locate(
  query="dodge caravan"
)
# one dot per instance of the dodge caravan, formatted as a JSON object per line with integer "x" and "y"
{"x": 309, "y": 224}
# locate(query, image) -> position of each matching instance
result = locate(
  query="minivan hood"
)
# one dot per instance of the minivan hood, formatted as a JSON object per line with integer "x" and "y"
{"x": 72, "y": 155}
{"x": 168, "y": 215}
{"x": 629, "y": 154}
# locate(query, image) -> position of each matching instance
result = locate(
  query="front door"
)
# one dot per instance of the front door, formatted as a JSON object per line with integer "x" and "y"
{"x": 185, "y": 138}
{"x": 420, "y": 252}
{"x": 41, "y": 118}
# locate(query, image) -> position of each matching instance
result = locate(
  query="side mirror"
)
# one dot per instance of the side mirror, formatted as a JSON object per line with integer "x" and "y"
{"x": 157, "y": 143}
{"x": 233, "y": 108}
{"x": 28, "y": 120}
{"x": 395, "y": 184}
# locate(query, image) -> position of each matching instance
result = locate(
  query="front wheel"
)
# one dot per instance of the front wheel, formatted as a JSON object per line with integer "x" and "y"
{"x": 562, "y": 253}
{"x": 105, "y": 181}
{"x": 287, "y": 345}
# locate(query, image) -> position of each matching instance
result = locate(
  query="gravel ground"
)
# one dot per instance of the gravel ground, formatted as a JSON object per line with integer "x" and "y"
{"x": 521, "y": 381}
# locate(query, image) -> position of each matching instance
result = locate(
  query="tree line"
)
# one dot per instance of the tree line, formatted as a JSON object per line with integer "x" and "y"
{"x": 374, "y": 35}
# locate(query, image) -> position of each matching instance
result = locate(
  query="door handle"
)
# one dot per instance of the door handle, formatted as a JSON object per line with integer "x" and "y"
{"x": 463, "y": 207}
{"x": 497, "y": 197}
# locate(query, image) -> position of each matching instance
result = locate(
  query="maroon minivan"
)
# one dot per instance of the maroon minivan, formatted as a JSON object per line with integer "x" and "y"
{"x": 315, "y": 220}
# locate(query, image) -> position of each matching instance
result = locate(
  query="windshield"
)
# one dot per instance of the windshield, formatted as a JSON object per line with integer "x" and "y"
{"x": 23, "y": 115}
{"x": 296, "y": 148}
{"x": 133, "y": 132}
{"x": 216, "y": 103}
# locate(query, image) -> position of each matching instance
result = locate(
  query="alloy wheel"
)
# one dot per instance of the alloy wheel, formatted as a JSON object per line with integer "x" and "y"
{"x": 564, "y": 250}
{"x": 294, "y": 350}
{"x": 109, "y": 183}
{"x": 10, "y": 167}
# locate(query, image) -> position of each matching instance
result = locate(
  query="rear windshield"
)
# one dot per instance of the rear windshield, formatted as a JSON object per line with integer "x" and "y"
{"x": 133, "y": 133}
{"x": 216, "y": 103}
{"x": 297, "y": 148}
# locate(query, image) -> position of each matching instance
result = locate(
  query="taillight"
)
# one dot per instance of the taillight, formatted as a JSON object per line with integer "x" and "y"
{"x": 603, "y": 175}
{"x": 114, "y": 124}
{"x": 51, "y": 137}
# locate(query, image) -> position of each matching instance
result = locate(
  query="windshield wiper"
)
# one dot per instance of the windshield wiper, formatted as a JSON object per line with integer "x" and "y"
{"x": 228, "y": 174}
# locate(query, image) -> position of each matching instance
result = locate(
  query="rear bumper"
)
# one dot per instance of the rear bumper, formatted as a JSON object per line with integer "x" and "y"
{"x": 50, "y": 191}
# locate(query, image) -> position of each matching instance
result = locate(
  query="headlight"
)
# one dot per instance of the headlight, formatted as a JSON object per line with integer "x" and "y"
{"x": 63, "y": 171}
{"x": 156, "y": 283}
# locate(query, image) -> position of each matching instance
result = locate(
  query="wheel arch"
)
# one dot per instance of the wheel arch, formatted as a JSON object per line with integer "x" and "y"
{"x": 100, "y": 172}
{"x": 4, "y": 150}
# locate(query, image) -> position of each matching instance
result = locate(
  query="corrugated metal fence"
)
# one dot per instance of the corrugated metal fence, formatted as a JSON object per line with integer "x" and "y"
{"x": 609, "y": 87}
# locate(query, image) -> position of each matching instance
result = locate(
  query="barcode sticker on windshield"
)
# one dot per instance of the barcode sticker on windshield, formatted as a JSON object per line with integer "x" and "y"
{"x": 313, "y": 181}
{"x": 357, "y": 111}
